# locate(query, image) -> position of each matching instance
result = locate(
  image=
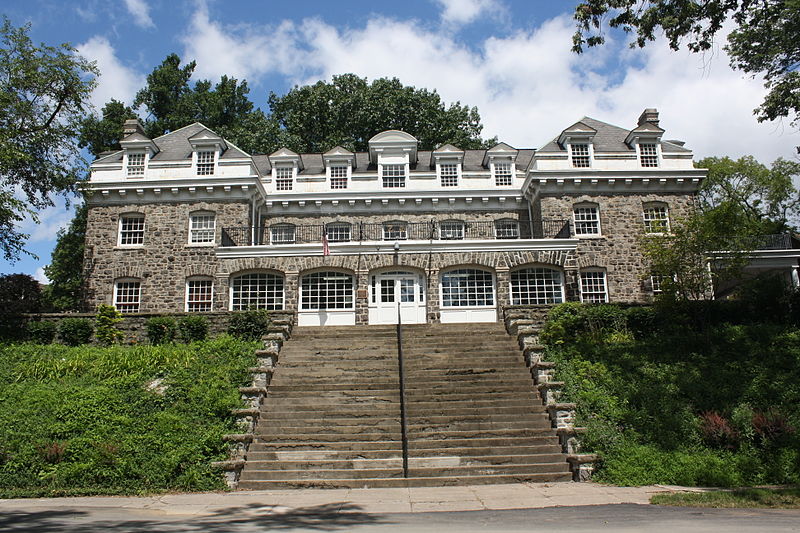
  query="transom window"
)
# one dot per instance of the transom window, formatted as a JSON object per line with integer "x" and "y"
{"x": 338, "y": 176}
{"x": 580, "y": 155}
{"x": 201, "y": 228}
{"x": 536, "y": 286}
{"x": 258, "y": 290}
{"x": 284, "y": 178}
{"x": 448, "y": 173}
{"x": 394, "y": 175}
{"x": 648, "y": 155}
{"x": 199, "y": 294}
{"x": 506, "y": 229}
{"x": 656, "y": 218}
{"x": 282, "y": 234}
{"x": 502, "y": 174}
{"x": 326, "y": 291}
{"x": 593, "y": 286}
{"x": 587, "y": 220}
{"x": 127, "y": 296}
{"x": 205, "y": 163}
{"x": 339, "y": 232}
{"x": 395, "y": 231}
{"x": 131, "y": 230}
{"x": 467, "y": 287}
{"x": 135, "y": 165}
{"x": 451, "y": 230}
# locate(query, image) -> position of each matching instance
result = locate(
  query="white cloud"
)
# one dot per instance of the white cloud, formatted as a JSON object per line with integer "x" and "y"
{"x": 461, "y": 12}
{"x": 141, "y": 13}
{"x": 40, "y": 276}
{"x": 116, "y": 80}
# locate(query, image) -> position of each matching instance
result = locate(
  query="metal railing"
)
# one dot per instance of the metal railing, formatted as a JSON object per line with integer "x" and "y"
{"x": 433, "y": 230}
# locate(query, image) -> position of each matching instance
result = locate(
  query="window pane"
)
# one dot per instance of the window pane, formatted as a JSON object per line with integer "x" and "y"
{"x": 131, "y": 230}
{"x": 506, "y": 229}
{"x": 127, "y": 296}
{"x": 593, "y": 287}
{"x": 587, "y": 220}
{"x": 648, "y": 155}
{"x": 284, "y": 178}
{"x": 502, "y": 174}
{"x": 201, "y": 228}
{"x": 257, "y": 291}
{"x": 198, "y": 295}
{"x": 394, "y": 175}
{"x": 467, "y": 288}
{"x": 338, "y": 232}
{"x": 205, "y": 163}
{"x": 338, "y": 177}
{"x": 580, "y": 155}
{"x": 327, "y": 291}
{"x": 451, "y": 230}
{"x": 449, "y": 174}
{"x": 395, "y": 231}
{"x": 282, "y": 233}
{"x": 536, "y": 286}
{"x": 135, "y": 165}
{"x": 656, "y": 219}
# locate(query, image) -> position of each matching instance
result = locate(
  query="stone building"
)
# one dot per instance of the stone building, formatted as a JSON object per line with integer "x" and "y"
{"x": 189, "y": 222}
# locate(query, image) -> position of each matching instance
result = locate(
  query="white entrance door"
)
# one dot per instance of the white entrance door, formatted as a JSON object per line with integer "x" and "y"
{"x": 397, "y": 290}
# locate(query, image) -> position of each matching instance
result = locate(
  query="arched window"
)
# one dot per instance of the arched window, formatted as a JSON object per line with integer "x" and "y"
{"x": 199, "y": 294}
{"x": 321, "y": 291}
{"x": 467, "y": 287}
{"x": 257, "y": 290}
{"x": 128, "y": 295}
{"x": 536, "y": 286}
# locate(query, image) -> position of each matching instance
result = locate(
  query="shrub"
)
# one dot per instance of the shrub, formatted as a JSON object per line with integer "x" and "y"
{"x": 161, "y": 330}
{"x": 106, "y": 320}
{"x": 41, "y": 332}
{"x": 75, "y": 331}
{"x": 193, "y": 328}
{"x": 249, "y": 325}
{"x": 717, "y": 431}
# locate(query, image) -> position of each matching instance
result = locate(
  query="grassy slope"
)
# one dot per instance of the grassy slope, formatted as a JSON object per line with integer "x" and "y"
{"x": 83, "y": 421}
{"x": 742, "y": 498}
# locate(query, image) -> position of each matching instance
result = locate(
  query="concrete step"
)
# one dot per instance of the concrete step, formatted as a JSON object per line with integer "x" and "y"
{"x": 419, "y": 447}
{"x": 260, "y": 445}
{"x": 366, "y": 435}
{"x": 433, "y": 481}
{"x": 416, "y": 429}
{"x": 323, "y": 455}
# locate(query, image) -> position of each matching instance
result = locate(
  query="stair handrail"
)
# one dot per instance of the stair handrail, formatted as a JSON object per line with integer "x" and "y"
{"x": 401, "y": 369}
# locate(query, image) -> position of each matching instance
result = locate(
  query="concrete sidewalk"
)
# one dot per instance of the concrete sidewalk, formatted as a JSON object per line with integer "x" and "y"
{"x": 395, "y": 500}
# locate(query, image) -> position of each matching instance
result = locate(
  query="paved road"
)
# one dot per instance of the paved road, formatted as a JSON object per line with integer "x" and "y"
{"x": 332, "y": 517}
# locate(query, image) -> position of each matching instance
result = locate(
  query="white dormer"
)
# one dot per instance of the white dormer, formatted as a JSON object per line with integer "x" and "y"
{"x": 137, "y": 149}
{"x": 207, "y": 147}
{"x": 393, "y": 151}
{"x": 646, "y": 139}
{"x": 500, "y": 160}
{"x": 448, "y": 161}
{"x": 285, "y": 166}
{"x": 339, "y": 163}
{"x": 578, "y": 141}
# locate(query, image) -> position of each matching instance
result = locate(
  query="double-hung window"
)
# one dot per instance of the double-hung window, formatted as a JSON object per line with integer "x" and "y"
{"x": 656, "y": 218}
{"x": 282, "y": 233}
{"x": 451, "y": 230}
{"x": 284, "y": 178}
{"x": 394, "y": 175}
{"x": 503, "y": 174}
{"x": 131, "y": 230}
{"x": 506, "y": 229}
{"x": 587, "y": 220}
{"x": 338, "y": 176}
{"x": 580, "y": 155}
{"x": 395, "y": 231}
{"x": 135, "y": 165}
{"x": 448, "y": 174}
{"x": 648, "y": 154}
{"x": 127, "y": 295}
{"x": 338, "y": 232}
{"x": 199, "y": 295}
{"x": 593, "y": 286}
{"x": 201, "y": 228}
{"x": 205, "y": 162}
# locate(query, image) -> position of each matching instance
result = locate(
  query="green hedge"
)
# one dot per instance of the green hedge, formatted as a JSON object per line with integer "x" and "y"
{"x": 119, "y": 419}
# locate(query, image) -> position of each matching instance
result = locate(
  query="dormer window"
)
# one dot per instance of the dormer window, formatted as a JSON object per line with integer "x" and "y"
{"x": 136, "y": 165}
{"x": 448, "y": 174}
{"x": 338, "y": 176}
{"x": 648, "y": 154}
{"x": 579, "y": 154}
{"x": 205, "y": 162}
{"x": 394, "y": 175}
{"x": 284, "y": 178}
{"x": 503, "y": 175}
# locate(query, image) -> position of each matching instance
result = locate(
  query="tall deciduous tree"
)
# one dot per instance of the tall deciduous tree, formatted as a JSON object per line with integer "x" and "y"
{"x": 765, "y": 40}
{"x": 99, "y": 134}
{"x": 65, "y": 272}
{"x": 44, "y": 94}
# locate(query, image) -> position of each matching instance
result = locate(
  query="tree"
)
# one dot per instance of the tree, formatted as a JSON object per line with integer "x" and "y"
{"x": 66, "y": 269}
{"x": 99, "y": 134}
{"x": 348, "y": 111}
{"x": 19, "y": 294}
{"x": 44, "y": 94}
{"x": 764, "y": 41}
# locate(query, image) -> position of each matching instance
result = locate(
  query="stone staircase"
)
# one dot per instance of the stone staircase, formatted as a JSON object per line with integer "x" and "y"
{"x": 331, "y": 417}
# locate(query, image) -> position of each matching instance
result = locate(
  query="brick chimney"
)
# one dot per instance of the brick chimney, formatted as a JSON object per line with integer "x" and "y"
{"x": 649, "y": 115}
{"x": 131, "y": 126}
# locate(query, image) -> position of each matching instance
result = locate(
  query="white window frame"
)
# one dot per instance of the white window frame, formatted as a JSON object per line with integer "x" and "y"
{"x": 343, "y": 299}
{"x": 276, "y": 228}
{"x": 506, "y": 228}
{"x": 271, "y": 296}
{"x": 496, "y": 176}
{"x": 580, "y": 220}
{"x": 542, "y": 280}
{"x": 577, "y": 160}
{"x": 204, "y": 167}
{"x": 284, "y": 182}
{"x": 650, "y": 221}
{"x": 395, "y": 230}
{"x": 653, "y": 159}
{"x": 195, "y": 231}
{"x": 189, "y": 301}
{"x": 454, "y": 234}
{"x": 121, "y": 232}
{"x": 450, "y": 178}
{"x": 335, "y": 232}
{"x": 134, "y": 305}
{"x": 390, "y": 175}
{"x": 464, "y": 272}
{"x": 591, "y": 296}
{"x": 135, "y": 171}
{"x": 335, "y": 179}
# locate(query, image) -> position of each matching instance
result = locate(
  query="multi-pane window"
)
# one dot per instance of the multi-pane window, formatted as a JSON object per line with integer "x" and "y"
{"x": 258, "y": 290}
{"x": 536, "y": 286}
{"x": 448, "y": 173}
{"x": 502, "y": 174}
{"x": 587, "y": 220}
{"x": 127, "y": 296}
{"x": 580, "y": 155}
{"x": 394, "y": 175}
{"x": 451, "y": 230}
{"x": 338, "y": 232}
{"x": 135, "y": 165}
{"x": 593, "y": 286}
{"x": 656, "y": 218}
{"x": 648, "y": 155}
{"x": 657, "y": 283}
{"x": 282, "y": 233}
{"x": 467, "y": 287}
{"x": 395, "y": 231}
{"x": 205, "y": 163}
{"x": 338, "y": 176}
{"x": 201, "y": 228}
{"x": 326, "y": 291}
{"x": 131, "y": 230}
{"x": 284, "y": 178}
{"x": 199, "y": 293}
{"x": 506, "y": 229}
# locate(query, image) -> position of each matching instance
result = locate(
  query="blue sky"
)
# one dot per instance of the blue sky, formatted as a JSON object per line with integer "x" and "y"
{"x": 510, "y": 58}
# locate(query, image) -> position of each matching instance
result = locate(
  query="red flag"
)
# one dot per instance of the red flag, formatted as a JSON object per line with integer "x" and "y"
{"x": 325, "y": 248}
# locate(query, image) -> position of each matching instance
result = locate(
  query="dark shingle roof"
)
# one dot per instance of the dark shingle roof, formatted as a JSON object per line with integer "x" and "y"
{"x": 609, "y": 138}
